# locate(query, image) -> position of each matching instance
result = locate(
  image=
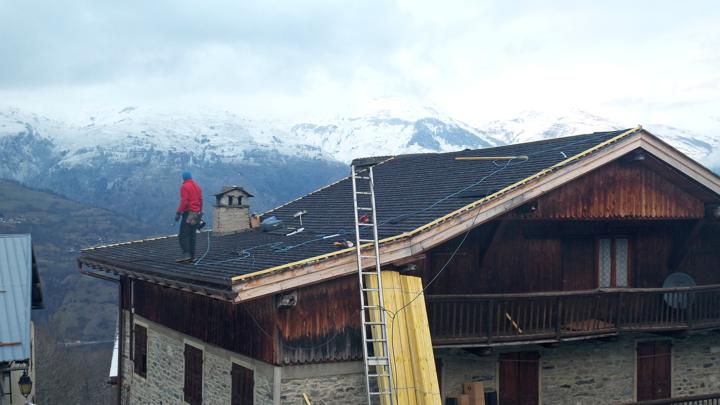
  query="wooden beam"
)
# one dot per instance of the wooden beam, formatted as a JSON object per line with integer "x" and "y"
{"x": 681, "y": 245}
{"x": 4, "y": 344}
{"x": 489, "y": 240}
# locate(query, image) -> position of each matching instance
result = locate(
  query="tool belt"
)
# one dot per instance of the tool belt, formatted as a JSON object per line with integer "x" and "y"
{"x": 194, "y": 218}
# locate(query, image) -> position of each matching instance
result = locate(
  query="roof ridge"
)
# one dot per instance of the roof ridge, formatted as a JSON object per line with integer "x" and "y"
{"x": 490, "y": 148}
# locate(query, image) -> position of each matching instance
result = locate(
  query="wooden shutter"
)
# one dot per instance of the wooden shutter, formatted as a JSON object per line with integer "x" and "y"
{"x": 243, "y": 385}
{"x": 140, "y": 350}
{"x": 193, "y": 375}
{"x": 518, "y": 379}
{"x": 653, "y": 370}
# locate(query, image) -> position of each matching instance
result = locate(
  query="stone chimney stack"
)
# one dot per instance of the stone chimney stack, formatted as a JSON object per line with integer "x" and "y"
{"x": 232, "y": 212}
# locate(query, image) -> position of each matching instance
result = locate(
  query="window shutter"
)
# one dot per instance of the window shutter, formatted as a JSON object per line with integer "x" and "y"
{"x": 140, "y": 350}
{"x": 243, "y": 385}
{"x": 193, "y": 375}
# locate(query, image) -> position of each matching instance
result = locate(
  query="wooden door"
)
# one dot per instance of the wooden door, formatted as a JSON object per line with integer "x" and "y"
{"x": 653, "y": 370}
{"x": 518, "y": 378}
{"x": 578, "y": 264}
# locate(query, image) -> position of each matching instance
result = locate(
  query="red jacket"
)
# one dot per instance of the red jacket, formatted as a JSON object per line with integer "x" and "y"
{"x": 190, "y": 197}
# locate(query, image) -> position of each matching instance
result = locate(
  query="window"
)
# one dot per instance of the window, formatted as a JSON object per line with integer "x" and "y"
{"x": 613, "y": 262}
{"x": 230, "y": 200}
{"x": 243, "y": 385}
{"x": 518, "y": 378}
{"x": 653, "y": 370}
{"x": 140, "y": 350}
{"x": 193, "y": 375}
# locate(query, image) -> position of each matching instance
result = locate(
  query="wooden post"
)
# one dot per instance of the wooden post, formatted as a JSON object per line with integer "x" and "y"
{"x": 618, "y": 311}
{"x": 558, "y": 317}
{"x": 491, "y": 310}
{"x": 689, "y": 300}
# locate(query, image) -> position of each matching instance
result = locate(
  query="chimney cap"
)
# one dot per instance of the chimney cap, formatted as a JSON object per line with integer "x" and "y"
{"x": 227, "y": 189}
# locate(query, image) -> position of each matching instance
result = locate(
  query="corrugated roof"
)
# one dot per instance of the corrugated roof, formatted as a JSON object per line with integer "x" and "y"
{"x": 411, "y": 191}
{"x": 15, "y": 296}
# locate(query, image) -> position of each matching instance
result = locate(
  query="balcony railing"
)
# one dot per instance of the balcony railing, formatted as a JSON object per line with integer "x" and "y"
{"x": 558, "y": 316}
{"x": 709, "y": 399}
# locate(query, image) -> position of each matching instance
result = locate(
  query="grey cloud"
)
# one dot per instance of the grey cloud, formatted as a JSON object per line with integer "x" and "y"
{"x": 85, "y": 42}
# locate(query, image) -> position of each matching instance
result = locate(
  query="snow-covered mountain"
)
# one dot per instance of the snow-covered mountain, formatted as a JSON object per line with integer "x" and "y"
{"x": 533, "y": 126}
{"x": 129, "y": 159}
{"x": 347, "y": 138}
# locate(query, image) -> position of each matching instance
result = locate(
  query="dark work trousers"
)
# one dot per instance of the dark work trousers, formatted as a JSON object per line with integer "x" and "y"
{"x": 187, "y": 236}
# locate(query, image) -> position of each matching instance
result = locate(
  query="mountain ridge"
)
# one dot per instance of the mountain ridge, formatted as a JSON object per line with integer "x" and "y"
{"x": 129, "y": 160}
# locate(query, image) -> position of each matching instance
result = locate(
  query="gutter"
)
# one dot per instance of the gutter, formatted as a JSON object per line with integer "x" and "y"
{"x": 224, "y": 295}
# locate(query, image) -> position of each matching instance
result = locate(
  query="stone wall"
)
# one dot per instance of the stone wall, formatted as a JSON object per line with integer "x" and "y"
{"x": 325, "y": 384}
{"x": 330, "y": 383}
{"x": 592, "y": 372}
{"x": 230, "y": 219}
{"x": 165, "y": 369}
{"x": 696, "y": 365}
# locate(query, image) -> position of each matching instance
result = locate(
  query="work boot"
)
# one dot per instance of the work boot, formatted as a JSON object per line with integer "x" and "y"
{"x": 185, "y": 259}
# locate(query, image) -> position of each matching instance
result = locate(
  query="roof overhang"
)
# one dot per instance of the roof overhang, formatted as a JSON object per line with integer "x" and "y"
{"x": 116, "y": 270}
{"x": 343, "y": 262}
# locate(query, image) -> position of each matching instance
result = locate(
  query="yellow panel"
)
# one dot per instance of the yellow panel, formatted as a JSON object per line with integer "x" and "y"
{"x": 413, "y": 361}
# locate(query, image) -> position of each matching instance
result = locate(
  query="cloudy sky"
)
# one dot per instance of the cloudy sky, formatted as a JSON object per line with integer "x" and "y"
{"x": 632, "y": 61}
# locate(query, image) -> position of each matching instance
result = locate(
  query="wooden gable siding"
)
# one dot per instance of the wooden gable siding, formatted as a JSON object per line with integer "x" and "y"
{"x": 619, "y": 190}
{"x": 216, "y": 322}
{"x": 523, "y": 256}
{"x": 323, "y": 326}
{"x": 495, "y": 259}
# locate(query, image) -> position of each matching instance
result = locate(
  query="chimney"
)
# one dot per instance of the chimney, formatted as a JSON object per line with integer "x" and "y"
{"x": 232, "y": 212}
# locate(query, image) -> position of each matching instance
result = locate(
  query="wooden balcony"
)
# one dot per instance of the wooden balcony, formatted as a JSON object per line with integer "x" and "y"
{"x": 499, "y": 319}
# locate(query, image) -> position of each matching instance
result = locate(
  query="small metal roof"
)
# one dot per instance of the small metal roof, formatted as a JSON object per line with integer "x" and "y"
{"x": 227, "y": 189}
{"x": 15, "y": 296}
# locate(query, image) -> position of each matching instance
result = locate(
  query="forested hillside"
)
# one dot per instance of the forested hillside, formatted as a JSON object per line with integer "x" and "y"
{"x": 80, "y": 312}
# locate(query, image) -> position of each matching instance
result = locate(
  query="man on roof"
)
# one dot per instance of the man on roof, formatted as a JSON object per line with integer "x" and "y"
{"x": 190, "y": 211}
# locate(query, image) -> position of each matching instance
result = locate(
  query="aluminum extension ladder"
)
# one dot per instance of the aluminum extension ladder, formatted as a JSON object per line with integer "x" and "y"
{"x": 376, "y": 353}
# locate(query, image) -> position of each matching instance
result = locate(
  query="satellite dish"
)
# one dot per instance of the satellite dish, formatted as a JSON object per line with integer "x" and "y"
{"x": 678, "y": 300}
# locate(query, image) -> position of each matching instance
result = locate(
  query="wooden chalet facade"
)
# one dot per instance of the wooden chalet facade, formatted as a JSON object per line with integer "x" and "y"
{"x": 554, "y": 286}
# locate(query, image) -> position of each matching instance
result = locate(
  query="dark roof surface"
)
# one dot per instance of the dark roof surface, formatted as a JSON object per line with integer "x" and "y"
{"x": 411, "y": 191}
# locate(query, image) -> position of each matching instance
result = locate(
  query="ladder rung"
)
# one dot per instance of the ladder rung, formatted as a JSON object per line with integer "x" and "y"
{"x": 378, "y": 375}
{"x": 366, "y": 224}
{"x": 377, "y": 361}
{"x": 367, "y": 240}
{"x": 368, "y": 257}
{"x": 363, "y": 192}
{"x": 376, "y": 340}
{"x": 364, "y": 209}
{"x": 379, "y": 393}
{"x": 374, "y": 323}
{"x": 371, "y": 289}
{"x": 362, "y": 177}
